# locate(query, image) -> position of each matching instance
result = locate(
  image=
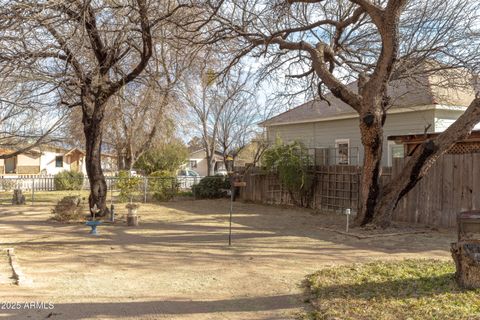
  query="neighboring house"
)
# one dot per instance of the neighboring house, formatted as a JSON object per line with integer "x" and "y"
{"x": 50, "y": 160}
{"x": 251, "y": 153}
{"x": 197, "y": 161}
{"x": 332, "y": 131}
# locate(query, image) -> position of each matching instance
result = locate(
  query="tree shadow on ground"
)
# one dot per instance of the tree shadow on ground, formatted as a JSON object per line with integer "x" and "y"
{"x": 299, "y": 222}
{"x": 166, "y": 308}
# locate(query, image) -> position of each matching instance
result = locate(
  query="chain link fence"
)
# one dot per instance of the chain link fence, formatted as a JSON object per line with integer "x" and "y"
{"x": 41, "y": 189}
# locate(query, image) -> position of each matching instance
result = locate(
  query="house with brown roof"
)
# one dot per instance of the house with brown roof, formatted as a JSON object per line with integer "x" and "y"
{"x": 424, "y": 104}
{"x": 50, "y": 160}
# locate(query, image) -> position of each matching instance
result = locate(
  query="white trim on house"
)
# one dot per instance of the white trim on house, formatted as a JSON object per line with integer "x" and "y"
{"x": 390, "y": 145}
{"x": 353, "y": 115}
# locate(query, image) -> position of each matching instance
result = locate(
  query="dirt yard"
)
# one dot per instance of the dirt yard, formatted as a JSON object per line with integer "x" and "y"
{"x": 177, "y": 264}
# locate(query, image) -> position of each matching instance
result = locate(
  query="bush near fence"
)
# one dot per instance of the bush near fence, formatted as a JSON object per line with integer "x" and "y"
{"x": 211, "y": 187}
{"x": 127, "y": 185}
{"x": 162, "y": 186}
{"x": 68, "y": 180}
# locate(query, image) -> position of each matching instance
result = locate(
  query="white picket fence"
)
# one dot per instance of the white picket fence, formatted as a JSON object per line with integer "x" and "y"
{"x": 47, "y": 183}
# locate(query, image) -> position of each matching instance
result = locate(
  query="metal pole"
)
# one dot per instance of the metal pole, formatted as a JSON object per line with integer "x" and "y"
{"x": 33, "y": 189}
{"x": 145, "y": 182}
{"x": 111, "y": 192}
{"x": 230, "y": 227}
{"x": 347, "y": 212}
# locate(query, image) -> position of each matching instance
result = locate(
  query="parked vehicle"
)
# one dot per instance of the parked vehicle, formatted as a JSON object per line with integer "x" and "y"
{"x": 221, "y": 172}
{"x": 186, "y": 178}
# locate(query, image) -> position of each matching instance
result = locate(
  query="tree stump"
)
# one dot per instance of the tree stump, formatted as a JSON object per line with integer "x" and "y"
{"x": 18, "y": 197}
{"x": 466, "y": 255}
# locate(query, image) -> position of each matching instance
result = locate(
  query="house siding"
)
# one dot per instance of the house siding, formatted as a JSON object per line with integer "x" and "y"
{"x": 202, "y": 163}
{"x": 444, "y": 118}
{"x": 48, "y": 165}
{"x": 323, "y": 134}
{"x": 27, "y": 164}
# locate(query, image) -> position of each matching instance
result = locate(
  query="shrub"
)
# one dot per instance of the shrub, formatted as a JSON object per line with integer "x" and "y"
{"x": 167, "y": 157}
{"x": 68, "y": 209}
{"x": 163, "y": 185}
{"x": 211, "y": 187}
{"x": 291, "y": 162}
{"x": 127, "y": 185}
{"x": 7, "y": 184}
{"x": 68, "y": 180}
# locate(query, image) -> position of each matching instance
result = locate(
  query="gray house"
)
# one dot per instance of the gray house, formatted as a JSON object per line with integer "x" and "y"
{"x": 331, "y": 132}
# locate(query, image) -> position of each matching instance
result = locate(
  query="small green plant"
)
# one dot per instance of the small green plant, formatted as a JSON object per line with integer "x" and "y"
{"x": 68, "y": 180}
{"x": 291, "y": 162}
{"x": 162, "y": 185}
{"x": 7, "y": 184}
{"x": 211, "y": 187}
{"x": 127, "y": 185}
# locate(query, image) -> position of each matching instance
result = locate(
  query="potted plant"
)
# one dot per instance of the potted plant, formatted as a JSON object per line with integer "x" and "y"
{"x": 132, "y": 208}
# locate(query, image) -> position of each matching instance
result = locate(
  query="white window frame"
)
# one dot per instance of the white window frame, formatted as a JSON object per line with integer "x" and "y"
{"x": 390, "y": 145}
{"x": 337, "y": 149}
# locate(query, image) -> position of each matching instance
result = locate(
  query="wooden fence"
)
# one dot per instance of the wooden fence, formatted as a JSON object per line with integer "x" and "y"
{"x": 335, "y": 188}
{"x": 452, "y": 185}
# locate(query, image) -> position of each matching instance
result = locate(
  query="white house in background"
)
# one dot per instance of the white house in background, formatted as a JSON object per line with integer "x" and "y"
{"x": 332, "y": 132}
{"x": 197, "y": 161}
{"x": 50, "y": 160}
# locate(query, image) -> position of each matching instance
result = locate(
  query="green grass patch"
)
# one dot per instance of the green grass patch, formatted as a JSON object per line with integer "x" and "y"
{"x": 408, "y": 289}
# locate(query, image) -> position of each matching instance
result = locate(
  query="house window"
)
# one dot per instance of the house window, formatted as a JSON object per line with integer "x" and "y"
{"x": 193, "y": 164}
{"x": 59, "y": 161}
{"x": 342, "y": 147}
{"x": 395, "y": 151}
{"x": 11, "y": 165}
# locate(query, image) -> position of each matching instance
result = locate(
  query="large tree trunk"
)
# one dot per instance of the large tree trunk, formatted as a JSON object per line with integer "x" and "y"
{"x": 210, "y": 166}
{"x": 371, "y": 127}
{"x": 93, "y": 136}
{"x": 210, "y": 155}
{"x": 129, "y": 161}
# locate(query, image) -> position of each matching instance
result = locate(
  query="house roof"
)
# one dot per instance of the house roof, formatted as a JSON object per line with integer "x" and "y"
{"x": 410, "y": 93}
{"x": 50, "y": 147}
{"x": 11, "y": 150}
{"x": 71, "y": 151}
{"x": 203, "y": 150}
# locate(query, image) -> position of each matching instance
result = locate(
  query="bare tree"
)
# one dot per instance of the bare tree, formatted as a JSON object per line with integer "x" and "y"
{"x": 25, "y": 125}
{"x": 143, "y": 115}
{"x": 215, "y": 105}
{"x": 82, "y": 52}
{"x": 328, "y": 44}
{"x": 238, "y": 121}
